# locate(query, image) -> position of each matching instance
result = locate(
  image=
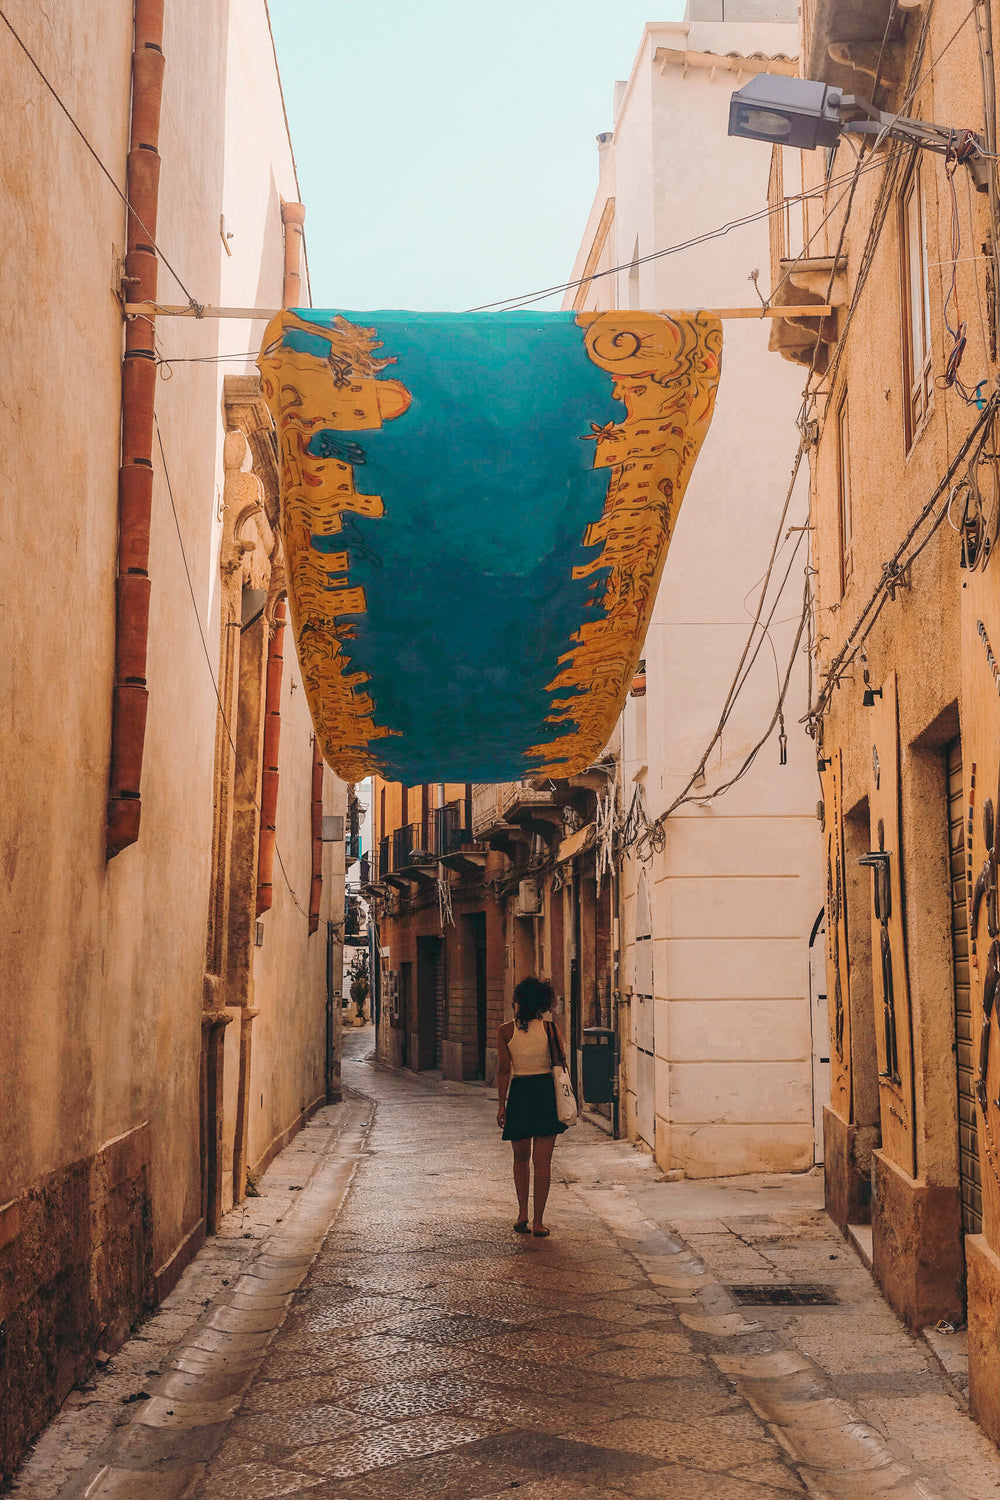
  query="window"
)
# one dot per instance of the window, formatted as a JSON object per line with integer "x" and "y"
{"x": 916, "y": 306}
{"x": 845, "y": 527}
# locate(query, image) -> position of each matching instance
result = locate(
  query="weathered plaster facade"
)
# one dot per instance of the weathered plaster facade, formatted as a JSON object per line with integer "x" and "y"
{"x": 437, "y": 986}
{"x": 907, "y": 719}
{"x": 720, "y": 1062}
{"x": 519, "y": 865}
{"x": 122, "y": 1111}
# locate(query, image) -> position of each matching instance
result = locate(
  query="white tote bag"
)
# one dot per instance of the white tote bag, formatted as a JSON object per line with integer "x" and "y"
{"x": 565, "y": 1098}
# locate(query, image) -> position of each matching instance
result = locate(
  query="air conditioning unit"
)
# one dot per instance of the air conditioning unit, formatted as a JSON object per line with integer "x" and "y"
{"x": 529, "y": 899}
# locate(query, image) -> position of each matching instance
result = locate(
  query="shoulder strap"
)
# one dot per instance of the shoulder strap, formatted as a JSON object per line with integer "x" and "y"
{"x": 553, "y": 1038}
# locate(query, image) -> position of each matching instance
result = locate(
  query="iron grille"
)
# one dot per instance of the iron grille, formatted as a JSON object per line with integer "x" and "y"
{"x": 785, "y": 1296}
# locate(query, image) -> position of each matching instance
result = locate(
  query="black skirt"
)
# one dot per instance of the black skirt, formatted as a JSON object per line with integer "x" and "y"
{"x": 531, "y": 1108}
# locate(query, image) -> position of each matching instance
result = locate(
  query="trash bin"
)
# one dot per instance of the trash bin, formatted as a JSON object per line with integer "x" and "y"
{"x": 598, "y": 1064}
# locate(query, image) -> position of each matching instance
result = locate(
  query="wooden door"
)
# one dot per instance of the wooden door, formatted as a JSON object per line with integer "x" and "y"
{"x": 970, "y": 1175}
{"x": 981, "y": 791}
{"x": 890, "y": 983}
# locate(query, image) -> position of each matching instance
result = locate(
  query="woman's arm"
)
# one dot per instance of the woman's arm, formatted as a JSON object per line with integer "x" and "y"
{"x": 503, "y": 1075}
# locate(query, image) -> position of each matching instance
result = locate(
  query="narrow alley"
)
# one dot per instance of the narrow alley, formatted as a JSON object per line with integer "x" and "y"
{"x": 419, "y": 1346}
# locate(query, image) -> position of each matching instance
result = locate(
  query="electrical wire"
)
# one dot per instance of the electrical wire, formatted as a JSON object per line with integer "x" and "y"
{"x": 881, "y": 51}
{"x": 207, "y": 359}
{"x": 526, "y": 299}
{"x": 959, "y": 333}
{"x": 252, "y": 790}
{"x": 777, "y": 717}
{"x": 802, "y": 255}
{"x": 806, "y": 623}
{"x": 197, "y": 306}
{"x": 887, "y": 188}
{"x": 901, "y": 560}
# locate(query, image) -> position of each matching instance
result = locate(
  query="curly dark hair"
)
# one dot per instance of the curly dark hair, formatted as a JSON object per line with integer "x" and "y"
{"x": 532, "y": 998}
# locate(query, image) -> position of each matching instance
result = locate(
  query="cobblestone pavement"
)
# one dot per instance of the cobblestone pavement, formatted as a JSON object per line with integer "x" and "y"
{"x": 422, "y": 1347}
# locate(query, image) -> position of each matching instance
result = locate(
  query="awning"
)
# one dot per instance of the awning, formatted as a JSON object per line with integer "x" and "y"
{"x": 476, "y": 510}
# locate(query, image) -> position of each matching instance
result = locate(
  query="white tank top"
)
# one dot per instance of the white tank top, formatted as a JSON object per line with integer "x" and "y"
{"x": 529, "y": 1050}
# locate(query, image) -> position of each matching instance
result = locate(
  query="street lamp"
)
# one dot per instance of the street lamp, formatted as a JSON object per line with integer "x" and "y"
{"x": 802, "y": 113}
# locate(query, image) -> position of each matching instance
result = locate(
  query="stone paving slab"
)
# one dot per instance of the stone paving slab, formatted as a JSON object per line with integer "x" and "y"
{"x": 146, "y": 1423}
{"x": 416, "y": 1345}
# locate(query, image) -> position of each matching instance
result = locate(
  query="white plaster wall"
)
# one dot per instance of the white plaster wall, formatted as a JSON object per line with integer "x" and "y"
{"x": 736, "y": 889}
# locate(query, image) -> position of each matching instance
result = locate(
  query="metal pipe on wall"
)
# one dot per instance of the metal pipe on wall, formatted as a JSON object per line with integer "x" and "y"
{"x": 269, "y": 760}
{"x": 316, "y": 825}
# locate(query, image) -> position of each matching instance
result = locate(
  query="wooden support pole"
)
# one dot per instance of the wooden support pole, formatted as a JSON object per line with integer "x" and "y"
{"x": 265, "y": 314}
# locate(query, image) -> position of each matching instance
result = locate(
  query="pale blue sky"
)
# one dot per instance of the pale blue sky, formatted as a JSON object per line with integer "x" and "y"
{"x": 445, "y": 148}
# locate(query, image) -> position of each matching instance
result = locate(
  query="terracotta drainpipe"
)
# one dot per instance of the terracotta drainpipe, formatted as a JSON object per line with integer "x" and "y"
{"x": 316, "y": 889}
{"x": 135, "y": 477}
{"x": 269, "y": 764}
{"x": 292, "y": 217}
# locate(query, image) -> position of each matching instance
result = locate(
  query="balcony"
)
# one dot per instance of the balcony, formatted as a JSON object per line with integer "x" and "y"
{"x": 387, "y": 873}
{"x": 355, "y": 922}
{"x": 413, "y": 855}
{"x": 846, "y": 43}
{"x": 510, "y": 812}
{"x": 454, "y": 843}
{"x": 798, "y": 280}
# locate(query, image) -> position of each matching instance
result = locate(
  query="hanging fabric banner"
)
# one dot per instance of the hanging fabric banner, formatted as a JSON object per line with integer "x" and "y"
{"x": 476, "y": 510}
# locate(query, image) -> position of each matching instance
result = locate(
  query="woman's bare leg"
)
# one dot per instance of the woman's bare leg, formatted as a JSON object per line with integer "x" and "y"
{"x": 544, "y": 1145}
{"x": 522, "y": 1177}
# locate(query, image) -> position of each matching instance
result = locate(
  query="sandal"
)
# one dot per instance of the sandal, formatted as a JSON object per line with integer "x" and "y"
{"x": 541, "y": 1234}
{"x": 521, "y": 1227}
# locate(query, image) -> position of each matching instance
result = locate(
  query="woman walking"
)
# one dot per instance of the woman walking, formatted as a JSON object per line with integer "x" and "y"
{"x": 527, "y": 1113}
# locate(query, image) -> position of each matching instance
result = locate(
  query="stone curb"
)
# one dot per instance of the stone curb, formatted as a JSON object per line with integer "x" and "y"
{"x": 163, "y": 1451}
{"x": 831, "y": 1448}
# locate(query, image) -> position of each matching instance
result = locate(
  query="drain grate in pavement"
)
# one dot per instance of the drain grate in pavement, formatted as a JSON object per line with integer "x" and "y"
{"x": 798, "y": 1295}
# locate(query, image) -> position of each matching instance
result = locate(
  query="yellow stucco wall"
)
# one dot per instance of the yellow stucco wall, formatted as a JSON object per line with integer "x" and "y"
{"x": 104, "y": 963}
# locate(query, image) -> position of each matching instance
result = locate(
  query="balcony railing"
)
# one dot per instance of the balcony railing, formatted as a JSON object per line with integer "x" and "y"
{"x": 410, "y": 846}
{"x": 494, "y": 802}
{"x": 417, "y": 845}
{"x": 450, "y": 831}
